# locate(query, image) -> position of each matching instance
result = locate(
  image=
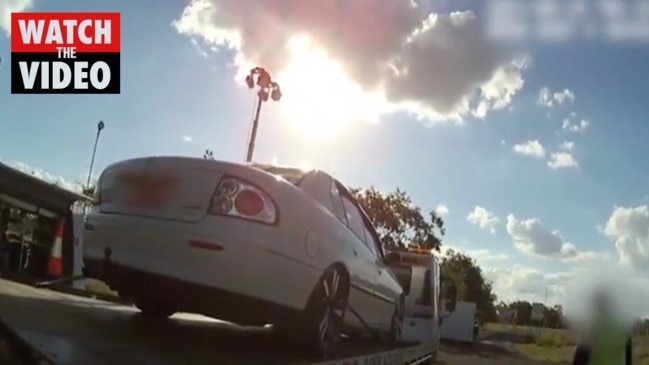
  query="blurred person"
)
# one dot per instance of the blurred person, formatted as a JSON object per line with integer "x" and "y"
{"x": 607, "y": 342}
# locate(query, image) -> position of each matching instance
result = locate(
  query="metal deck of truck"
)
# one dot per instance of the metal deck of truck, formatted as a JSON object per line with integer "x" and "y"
{"x": 74, "y": 330}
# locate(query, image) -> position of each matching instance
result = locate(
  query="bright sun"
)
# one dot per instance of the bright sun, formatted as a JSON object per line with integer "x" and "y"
{"x": 318, "y": 98}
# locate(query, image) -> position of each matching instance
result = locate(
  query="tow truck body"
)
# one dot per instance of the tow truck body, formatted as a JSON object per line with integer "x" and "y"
{"x": 459, "y": 325}
{"x": 67, "y": 329}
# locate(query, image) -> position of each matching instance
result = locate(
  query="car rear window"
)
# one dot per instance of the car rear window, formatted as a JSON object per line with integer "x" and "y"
{"x": 290, "y": 174}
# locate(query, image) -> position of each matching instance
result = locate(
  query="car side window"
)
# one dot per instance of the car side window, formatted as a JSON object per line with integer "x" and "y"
{"x": 354, "y": 218}
{"x": 337, "y": 203}
{"x": 371, "y": 242}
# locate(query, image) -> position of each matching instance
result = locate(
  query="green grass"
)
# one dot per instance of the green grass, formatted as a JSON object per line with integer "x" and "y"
{"x": 543, "y": 344}
{"x": 552, "y": 345}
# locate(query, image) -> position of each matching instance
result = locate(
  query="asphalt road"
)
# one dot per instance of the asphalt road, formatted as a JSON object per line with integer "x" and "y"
{"x": 75, "y": 330}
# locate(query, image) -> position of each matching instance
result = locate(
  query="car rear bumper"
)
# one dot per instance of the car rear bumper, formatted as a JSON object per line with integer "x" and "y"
{"x": 229, "y": 257}
{"x": 187, "y": 296}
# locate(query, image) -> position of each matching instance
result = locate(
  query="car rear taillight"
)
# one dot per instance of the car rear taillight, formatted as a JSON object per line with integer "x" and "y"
{"x": 238, "y": 198}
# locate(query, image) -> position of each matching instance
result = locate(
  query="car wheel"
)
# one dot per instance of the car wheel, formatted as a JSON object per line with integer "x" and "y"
{"x": 396, "y": 325}
{"x": 154, "y": 310}
{"x": 326, "y": 312}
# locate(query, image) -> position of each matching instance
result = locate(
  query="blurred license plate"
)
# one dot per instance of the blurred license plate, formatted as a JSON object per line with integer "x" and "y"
{"x": 147, "y": 190}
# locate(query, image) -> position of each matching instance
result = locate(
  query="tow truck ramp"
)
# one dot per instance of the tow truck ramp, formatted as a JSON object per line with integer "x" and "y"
{"x": 63, "y": 329}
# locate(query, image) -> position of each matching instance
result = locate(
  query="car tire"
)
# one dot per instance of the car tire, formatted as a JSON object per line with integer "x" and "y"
{"x": 326, "y": 311}
{"x": 154, "y": 310}
{"x": 396, "y": 324}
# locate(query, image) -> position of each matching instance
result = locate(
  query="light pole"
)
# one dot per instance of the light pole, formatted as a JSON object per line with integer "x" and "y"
{"x": 260, "y": 77}
{"x": 100, "y": 127}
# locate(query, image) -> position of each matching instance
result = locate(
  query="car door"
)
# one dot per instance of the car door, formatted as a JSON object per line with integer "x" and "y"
{"x": 364, "y": 273}
{"x": 387, "y": 289}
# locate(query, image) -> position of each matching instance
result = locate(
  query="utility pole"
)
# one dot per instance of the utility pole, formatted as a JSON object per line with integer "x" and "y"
{"x": 545, "y": 302}
{"x": 100, "y": 127}
{"x": 260, "y": 77}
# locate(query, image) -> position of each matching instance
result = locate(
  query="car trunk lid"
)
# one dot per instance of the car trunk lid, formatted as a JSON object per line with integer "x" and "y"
{"x": 163, "y": 188}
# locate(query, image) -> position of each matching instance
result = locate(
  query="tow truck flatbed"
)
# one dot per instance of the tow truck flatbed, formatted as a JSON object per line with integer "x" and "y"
{"x": 73, "y": 330}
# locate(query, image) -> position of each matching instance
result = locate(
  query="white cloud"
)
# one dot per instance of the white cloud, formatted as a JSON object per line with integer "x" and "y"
{"x": 442, "y": 210}
{"x": 486, "y": 255}
{"x": 12, "y": 6}
{"x": 46, "y": 176}
{"x": 483, "y": 218}
{"x": 550, "y": 99}
{"x": 530, "y": 236}
{"x": 567, "y": 146}
{"x": 564, "y": 96}
{"x": 199, "y": 48}
{"x": 187, "y": 138}
{"x": 530, "y": 148}
{"x": 518, "y": 282}
{"x": 514, "y": 281}
{"x": 574, "y": 124}
{"x": 628, "y": 228}
{"x": 562, "y": 160}
{"x": 438, "y": 66}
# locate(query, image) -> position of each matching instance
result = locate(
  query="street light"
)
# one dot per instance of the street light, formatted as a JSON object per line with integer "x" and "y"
{"x": 100, "y": 127}
{"x": 267, "y": 87}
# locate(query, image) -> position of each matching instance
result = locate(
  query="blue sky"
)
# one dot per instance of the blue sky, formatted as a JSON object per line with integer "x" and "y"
{"x": 173, "y": 88}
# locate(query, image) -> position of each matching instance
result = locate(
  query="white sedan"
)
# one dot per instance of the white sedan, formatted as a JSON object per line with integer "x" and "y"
{"x": 250, "y": 244}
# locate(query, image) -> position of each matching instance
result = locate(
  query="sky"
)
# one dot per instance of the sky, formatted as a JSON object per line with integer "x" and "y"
{"x": 530, "y": 144}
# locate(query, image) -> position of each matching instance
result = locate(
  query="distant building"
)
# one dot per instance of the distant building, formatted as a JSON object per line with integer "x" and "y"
{"x": 538, "y": 312}
{"x": 507, "y": 315}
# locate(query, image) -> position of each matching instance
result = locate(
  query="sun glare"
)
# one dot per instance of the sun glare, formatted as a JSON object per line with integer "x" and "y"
{"x": 319, "y": 100}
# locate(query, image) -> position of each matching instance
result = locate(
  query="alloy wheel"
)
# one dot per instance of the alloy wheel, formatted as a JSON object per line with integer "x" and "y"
{"x": 329, "y": 306}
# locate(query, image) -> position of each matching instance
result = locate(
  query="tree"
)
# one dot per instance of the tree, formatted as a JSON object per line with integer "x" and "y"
{"x": 398, "y": 221}
{"x": 523, "y": 310}
{"x": 471, "y": 284}
{"x": 553, "y": 317}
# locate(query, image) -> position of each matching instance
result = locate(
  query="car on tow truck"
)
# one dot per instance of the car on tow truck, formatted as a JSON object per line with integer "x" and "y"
{"x": 250, "y": 244}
